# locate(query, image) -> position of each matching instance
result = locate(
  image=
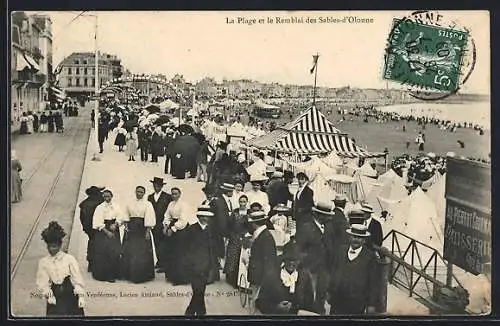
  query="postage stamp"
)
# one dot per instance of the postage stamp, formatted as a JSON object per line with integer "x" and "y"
{"x": 427, "y": 56}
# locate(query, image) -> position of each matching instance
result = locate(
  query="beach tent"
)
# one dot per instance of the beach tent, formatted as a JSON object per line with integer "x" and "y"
{"x": 192, "y": 113}
{"x": 387, "y": 190}
{"x": 367, "y": 170}
{"x": 321, "y": 189}
{"x": 332, "y": 160}
{"x": 311, "y": 134}
{"x": 168, "y": 105}
{"x": 436, "y": 194}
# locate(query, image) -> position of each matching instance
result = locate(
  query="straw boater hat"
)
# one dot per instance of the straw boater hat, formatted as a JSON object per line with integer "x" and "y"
{"x": 358, "y": 230}
{"x": 323, "y": 208}
{"x": 227, "y": 186}
{"x": 157, "y": 181}
{"x": 367, "y": 208}
{"x": 281, "y": 208}
{"x": 277, "y": 174}
{"x": 270, "y": 169}
{"x": 257, "y": 216}
{"x": 340, "y": 198}
{"x": 258, "y": 178}
{"x": 204, "y": 210}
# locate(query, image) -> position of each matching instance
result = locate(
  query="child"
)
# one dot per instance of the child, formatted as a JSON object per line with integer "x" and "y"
{"x": 58, "y": 276}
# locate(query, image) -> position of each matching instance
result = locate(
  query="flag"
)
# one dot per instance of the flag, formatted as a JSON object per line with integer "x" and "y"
{"x": 315, "y": 62}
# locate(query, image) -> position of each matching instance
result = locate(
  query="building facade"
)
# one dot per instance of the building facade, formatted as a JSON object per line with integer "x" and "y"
{"x": 77, "y": 73}
{"x": 31, "y": 64}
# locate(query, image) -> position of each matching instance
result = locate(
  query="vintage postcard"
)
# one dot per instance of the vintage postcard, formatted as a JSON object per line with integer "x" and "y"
{"x": 319, "y": 163}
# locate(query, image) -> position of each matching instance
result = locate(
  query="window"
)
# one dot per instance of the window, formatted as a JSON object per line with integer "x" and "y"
{"x": 77, "y": 62}
{"x": 69, "y": 71}
{"x": 70, "y": 82}
{"x": 84, "y": 62}
{"x": 77, "y": 71}
{"x": 85, "y": 82}
{"x": 85, "y": 71}
{"x": 93, "y": 82}
{"x": 77, "y": 81}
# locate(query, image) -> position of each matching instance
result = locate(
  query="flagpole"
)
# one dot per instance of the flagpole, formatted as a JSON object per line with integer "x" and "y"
{"x": 315, "y": 77}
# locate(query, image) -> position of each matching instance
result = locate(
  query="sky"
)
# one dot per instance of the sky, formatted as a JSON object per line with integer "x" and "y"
{"x": 199, "y": 44}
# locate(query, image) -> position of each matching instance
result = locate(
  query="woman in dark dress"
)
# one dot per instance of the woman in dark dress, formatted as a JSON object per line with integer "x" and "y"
{"x": 58, "y": 277}
{"x": 51, "y": 122}
{"x": 107, "y": 216}
{"x": 24, "y": 124}
{"x": 137, "y": 256}
{"x": 237, "y": 229}
{"x": 120, "y": 139}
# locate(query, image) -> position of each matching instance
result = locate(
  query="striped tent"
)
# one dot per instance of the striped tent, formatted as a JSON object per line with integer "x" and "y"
{"x": 310, "y": 134}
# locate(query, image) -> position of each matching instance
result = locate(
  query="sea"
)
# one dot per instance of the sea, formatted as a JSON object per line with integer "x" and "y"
{"x": 475, "y": 112}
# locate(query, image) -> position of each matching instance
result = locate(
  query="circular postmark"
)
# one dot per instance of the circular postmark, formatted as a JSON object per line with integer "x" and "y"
{"x": 430, "y": 55}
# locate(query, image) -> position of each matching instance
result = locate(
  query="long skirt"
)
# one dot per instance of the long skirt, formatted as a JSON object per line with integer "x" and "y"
{"x": 173, "y": 254}
{"x": 131, "y": 147}
{"x": 51, "y": 125}
{"x": 178, "y": 168}
{"x": 120, "y": 140}
{"x": 66, "y": 300}
{"x": 16, "y": 191}
{"x": 232, "y": 263}
{"x": 137, "y": 263}
{"x": 24, "y": 128}
{"x": 106, "y": 261}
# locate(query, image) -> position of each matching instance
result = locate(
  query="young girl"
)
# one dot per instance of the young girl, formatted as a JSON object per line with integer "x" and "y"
{"x": 58, "y": 276}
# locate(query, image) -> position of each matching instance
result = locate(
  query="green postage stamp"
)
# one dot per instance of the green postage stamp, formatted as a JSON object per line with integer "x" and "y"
{"x": 426, "y": 56}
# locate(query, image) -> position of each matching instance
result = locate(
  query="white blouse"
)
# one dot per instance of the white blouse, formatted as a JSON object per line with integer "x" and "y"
{"x": 258, "y": 197}
{"x": 141, "y": 208}
{"x": 106, "y": 211}
{"x": 177, "y": 210}
{"x": 55, "y": 269}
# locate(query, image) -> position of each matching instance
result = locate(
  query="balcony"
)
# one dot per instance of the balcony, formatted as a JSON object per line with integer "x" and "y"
{"x": 26, "y": 76}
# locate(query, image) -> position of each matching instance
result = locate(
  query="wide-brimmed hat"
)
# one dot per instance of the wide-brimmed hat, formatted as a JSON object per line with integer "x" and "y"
{"x": 367, "y": 208}
{"x": 277, "y": 174}
{"x": 281, "y": 208}
{"x": 340, "y": 198}
{"x": 325, "y": 208}
{"x": 258, "y": 178}
{"x": 94, "y": 190}
{"x": 270, "y": 169}
{"x": 358, "y": 230}
{"x": 227, "y": 186}
{"x": 257, "y": 216}
{"x": 356, "y": 213}
{"x": 158, "y": 181}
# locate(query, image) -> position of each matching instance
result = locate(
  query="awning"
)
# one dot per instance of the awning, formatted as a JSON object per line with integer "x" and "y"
{"x": 21, "y": 62}
{"x": 58, "y": 93}
{"x": 31, "y": 62}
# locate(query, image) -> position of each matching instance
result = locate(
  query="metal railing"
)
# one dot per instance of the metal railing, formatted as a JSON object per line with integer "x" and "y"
{"x": 417, "y": 268}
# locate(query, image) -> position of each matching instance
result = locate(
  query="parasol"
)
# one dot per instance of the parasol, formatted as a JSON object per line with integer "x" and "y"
{"x": 152, "y": 109}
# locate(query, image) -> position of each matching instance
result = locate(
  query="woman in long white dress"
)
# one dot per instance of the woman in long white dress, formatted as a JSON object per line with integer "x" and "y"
{"x": 132, "y": 144}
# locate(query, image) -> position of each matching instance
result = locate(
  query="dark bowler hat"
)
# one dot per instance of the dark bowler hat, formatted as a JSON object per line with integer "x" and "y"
{"x": 358, "y": 230}
{"x": 257, "y": 216}
{"x": 291, "y": 252}
{"x": 325, "y": 208}
{"x": 158, "y": 181}
{"x": 94, "y": 190}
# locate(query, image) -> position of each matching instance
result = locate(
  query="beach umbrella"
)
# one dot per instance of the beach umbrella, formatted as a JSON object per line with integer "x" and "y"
{"x": 185, "y": 128}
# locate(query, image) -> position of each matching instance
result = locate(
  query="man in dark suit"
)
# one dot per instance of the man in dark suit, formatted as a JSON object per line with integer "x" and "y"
{"x": 303, "y": 200}
{"x": 160, "y": 200}
{"x": 169, "y": 141}
{"x": 156, "y": 144}
{"x": 200, "y": 259}
{"x": 354, "y": 286}
{"x": 314, "y": 240}
{"x": 222, "y": 208}
{"x": 263, "y": 253}
{"x": 374, "y": 227}
{"x": 87, "y": 209}
{"x": 277, "y": 191}
{"x": 339, "y": 222}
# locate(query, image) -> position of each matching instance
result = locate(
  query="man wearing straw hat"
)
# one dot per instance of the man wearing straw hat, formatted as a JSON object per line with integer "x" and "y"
{"x": 354, "y": 282}
{"x": 314, "y": 239}
{"x": 222, "y": 207}
{"x": 303, "y": 200}
{"x": 263, "y": 253}
{"x": 200, "y": 259}
{"x": 374, "y": 227}
{"x": 339, "y": 222}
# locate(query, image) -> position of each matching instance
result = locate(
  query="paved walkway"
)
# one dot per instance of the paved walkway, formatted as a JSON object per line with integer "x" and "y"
{"x": 125, "y": 299}
{"x": 52, "y": 168}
